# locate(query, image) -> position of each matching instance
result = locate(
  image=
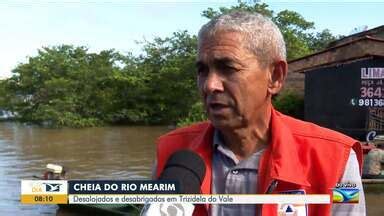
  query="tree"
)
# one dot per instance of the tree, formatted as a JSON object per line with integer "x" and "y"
{"x": 3, "y": 93}
{"x": 321, "y": 40}
{"x": 70, "y": 86}
{"x": 63, "y": 86}
{"x": 290, "y": 103}
{"x": 168, "y": 66}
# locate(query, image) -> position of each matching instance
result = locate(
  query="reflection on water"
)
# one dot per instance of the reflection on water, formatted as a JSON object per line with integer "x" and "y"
{"x": 91, "y": 153}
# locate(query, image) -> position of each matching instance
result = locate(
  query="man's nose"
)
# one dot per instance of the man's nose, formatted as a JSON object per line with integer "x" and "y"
{"x": 213, "y": 82}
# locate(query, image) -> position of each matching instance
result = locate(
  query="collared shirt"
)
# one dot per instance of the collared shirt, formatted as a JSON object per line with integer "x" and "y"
{"x": 231, "y": 176}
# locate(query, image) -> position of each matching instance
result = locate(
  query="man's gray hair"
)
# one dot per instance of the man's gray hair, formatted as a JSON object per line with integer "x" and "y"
{"x": 262, "y": 36}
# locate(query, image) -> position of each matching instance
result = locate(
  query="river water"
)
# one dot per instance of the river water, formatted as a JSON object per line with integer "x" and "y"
{"x": 91, "y": 153}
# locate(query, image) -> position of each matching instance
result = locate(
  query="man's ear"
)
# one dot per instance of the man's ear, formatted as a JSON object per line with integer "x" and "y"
{"x": 278, "y": 71}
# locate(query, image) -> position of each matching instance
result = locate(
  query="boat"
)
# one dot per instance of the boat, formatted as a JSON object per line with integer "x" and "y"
{"x": 373, "y": 185}
{"x": 373, "y": 181}
{"x": 6, "y": 115}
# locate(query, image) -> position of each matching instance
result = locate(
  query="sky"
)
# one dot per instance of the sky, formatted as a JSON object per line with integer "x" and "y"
{"x": 26, "y": 26}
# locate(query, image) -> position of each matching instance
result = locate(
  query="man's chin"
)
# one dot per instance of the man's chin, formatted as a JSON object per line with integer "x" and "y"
{"x": 223, "y": 123}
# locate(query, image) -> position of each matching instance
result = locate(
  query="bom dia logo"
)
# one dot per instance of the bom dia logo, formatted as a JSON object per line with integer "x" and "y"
{"x": 46, "y": 187}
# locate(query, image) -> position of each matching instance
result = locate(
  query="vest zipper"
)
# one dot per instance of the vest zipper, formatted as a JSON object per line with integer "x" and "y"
{"x": 272, "y": 186}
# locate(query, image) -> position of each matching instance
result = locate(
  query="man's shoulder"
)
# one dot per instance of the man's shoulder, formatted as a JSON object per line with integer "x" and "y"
{"x": 190, "y": 137}
{"x": 190, "y": 129}
{"x": 185, "y": 133}
{"x": 307, "y": 130}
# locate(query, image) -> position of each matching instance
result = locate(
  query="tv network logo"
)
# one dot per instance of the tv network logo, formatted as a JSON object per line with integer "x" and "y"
{"x": 52, "y": 187}
{"x": 345, "y": 195}
{"x": 44, "y": 187}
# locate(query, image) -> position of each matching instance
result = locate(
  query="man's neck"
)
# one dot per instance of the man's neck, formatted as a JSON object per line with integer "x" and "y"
{"x": 251, "y": 138}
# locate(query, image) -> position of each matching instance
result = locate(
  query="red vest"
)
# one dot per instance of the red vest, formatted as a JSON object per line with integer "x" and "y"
{"x": 300, "y": 155}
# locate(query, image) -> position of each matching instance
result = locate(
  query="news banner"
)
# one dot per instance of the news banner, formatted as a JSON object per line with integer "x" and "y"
{"x": 158, "y": 191}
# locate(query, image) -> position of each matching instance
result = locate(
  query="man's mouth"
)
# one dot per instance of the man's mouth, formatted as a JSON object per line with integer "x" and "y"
{"x": 217, "y": 106}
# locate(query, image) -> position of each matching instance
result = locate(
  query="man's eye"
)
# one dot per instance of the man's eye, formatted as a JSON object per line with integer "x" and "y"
{"x": 202, "y": 71}
{"x": 228, "y": 69}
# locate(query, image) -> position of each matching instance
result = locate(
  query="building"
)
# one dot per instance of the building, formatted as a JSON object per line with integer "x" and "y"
{"x": 344, "y": 84}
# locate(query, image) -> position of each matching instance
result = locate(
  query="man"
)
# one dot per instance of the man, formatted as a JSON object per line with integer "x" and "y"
{"x": 248, "y": 147}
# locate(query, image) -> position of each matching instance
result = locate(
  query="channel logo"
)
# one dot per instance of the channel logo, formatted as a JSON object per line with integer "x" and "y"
{"x": 44, "y": 192}
{"x": 44, "y": 187}
{"x": 52, "y": 187}
{"x": 345, "y": 195}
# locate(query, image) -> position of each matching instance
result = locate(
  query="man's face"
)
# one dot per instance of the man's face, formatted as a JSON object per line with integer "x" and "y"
{"x": 231, "y": 81}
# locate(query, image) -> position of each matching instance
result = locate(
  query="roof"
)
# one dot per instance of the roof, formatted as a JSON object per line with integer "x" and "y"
{"x": 350, "y": 50}
{"x": 377, "y": 32}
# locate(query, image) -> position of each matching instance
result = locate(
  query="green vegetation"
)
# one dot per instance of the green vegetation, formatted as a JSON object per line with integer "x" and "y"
{"x": 70, "y": 86}
{"x": 290, "y": 103}
{"x": 195, "y": 114}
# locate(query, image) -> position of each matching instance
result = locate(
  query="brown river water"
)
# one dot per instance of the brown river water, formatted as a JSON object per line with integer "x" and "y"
{"x": 125, "y": 152}
{"x": 91, "y": 153}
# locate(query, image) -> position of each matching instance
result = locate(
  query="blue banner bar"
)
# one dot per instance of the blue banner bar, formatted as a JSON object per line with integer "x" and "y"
{"x": 123, "y": 187}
